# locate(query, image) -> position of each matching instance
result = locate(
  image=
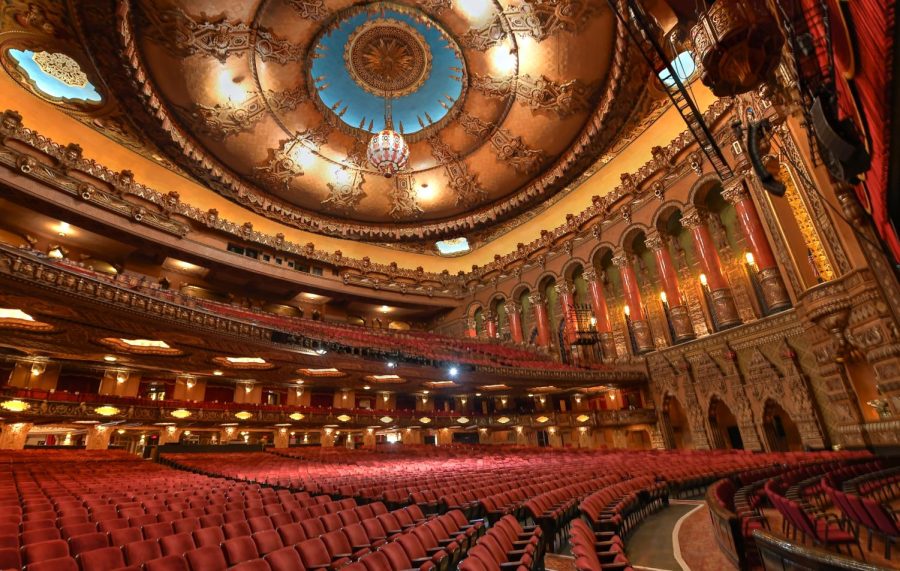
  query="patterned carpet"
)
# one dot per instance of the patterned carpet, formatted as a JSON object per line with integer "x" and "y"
{"x": 698, "y": 544}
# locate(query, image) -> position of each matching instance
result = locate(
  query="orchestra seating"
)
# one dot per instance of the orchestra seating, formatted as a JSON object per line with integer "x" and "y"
{"x": 104, "y": 510}
{"x": 828, "y": 503}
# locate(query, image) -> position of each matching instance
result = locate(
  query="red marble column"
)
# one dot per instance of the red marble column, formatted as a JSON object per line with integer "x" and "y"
{"x": 567, "y": 301}
{"x": 601, "y": 313}
{"x": 720, "y": 293}
{"x": 678, "y": 314}
{"x": 541, "y": 319}
{"x": 514, "y": 318}
{"x": 490, "y": 324}
{"x": 640, "y": 328}
{"x": 767, "y": 274}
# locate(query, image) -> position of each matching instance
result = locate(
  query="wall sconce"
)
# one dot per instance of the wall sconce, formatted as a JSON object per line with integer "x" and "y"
{"x": 551, "y": 430}
{"x": 344, "y": 395}
{"x": 627, "y": 310}
{"x": 283, "y": 431}
{"x": 187, "y": 432}
{"x": 703, "y": 280}
{"x": 519, "y": 429}
{"x": 463, "y": 400}
{"x": 190, "y": 383}
{"x": 299, "y": 392}
{"x": 171, "y": 429}
{"x": 213, "y": 439}
{"x": 370, "y": 430}
{"x": 121, "y": 431}
{"x": 424, "y": 399}
{"x": 38, "y": 368}
{"x": 593, "y": 321}
{"x": 248, "y": 388}
{"x": 386, "y": 396}
{"x": 663, "y": 297}
{"x": 612, "y": 395}
{"x": 543, "y": 399}
{"x": 229, "y": 431}
{"x": 121, "y": 377}
{"x": 62, "y": 229}
{"x": 503, "y": 400}
{"x": 306, "y": 438}
{"x": 751, "y": 261}
{"x": 577, "y": 399}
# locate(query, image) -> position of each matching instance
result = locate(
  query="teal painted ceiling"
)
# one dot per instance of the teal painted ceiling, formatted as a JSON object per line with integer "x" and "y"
{"x": 429, "y": 104}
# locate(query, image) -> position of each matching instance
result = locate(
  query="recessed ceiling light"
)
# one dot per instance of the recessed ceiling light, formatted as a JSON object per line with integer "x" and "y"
{"x": 453, "y": 371}
{"x": 6, "y": 313}
{"x": 110, "y": 358}
{"x": 218, "y": 373}
{"x": 366, "y": 387}
{"x": 391, "y": 364}
{"x": 246, "y": 360}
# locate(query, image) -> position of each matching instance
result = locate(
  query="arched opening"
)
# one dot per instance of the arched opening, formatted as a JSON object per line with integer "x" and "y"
{"x": 780, "y": 429}
{"x": 529, "y": 332}
{"x": 498, "y": 310}
{"x": 724, "y": 426}
{"x": 676, "y": 423}
{"x": 478, "y": 318}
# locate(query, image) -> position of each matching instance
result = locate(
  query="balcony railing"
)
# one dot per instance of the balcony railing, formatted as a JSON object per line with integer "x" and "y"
{"x": 61, "y": 406}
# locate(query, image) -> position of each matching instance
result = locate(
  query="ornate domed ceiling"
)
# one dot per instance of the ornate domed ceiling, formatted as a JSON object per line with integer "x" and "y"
{"x": 272, "y": 103}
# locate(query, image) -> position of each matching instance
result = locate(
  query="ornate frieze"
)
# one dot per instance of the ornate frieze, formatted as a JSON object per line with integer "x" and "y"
{"x": 185, "y": 35}
{"x": 280, "y": 168}
{"x": 345, "y": 194}
{"x": 467, "y": 190}
{"x": 310, "y": 9}
{"x": 540, "y": 94}
{"x": 403, "y": 197}
{"x": 224, "y": 120}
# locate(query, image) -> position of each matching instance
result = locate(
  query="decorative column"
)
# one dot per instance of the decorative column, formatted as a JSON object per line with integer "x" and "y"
{"x": 767, "y": 274}
{"x": 541, "y": 319}
{"x": 640, "y": 327}
{"x": 490, "y": 324}
{"x": 567, "y": 301}
{"x": 721, "y": 299}
{"x": 678, "y": 313}
{"x": 601, "y": 313}
{"x": 282, "y": 438}
{"x": 514, "y": 318}
{"x": 98, "y": 437}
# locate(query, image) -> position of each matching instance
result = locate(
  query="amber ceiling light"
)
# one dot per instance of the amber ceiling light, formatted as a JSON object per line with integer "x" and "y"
{"x": 15, "y": 405}
{"x": 106, "y": 410}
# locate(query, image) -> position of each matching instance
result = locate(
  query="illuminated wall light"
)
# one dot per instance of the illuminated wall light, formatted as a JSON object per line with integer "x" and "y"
{"x": 703, "y": 280}
{"x": 106, "y": 410}
{"x": 504, "y": 400}
{"x": 180, "y": 413}
{"x": 55, "y": 253}
{"x": 110, "y": 358}
{"x": 343, "y": 418}
{"x": 503, "y": 419}
{"x": 121, "y": 376}
{"x": 243, "y": 415}
{"x": 62, "y": 229}
{"x": 386, "y": 419}
{"x": 542, "y": 399}
{"x": 306, "y": 438}
{"x": 187, "y": 432}
{"x": 582, "y": 418}
{"x": 218, "y": 373}
{"x": 190, "y": 383}
{"x": 519, "y": 429}
{"x": 248, "y": 388}
{"x": 366, "y": 387}
{"x": 593, "y": 321}
{"x": 38, "y": 368}
{"x": 462, "y": 420}
{"x": 627, "y": 310}
{"x": 551, "y": 430}
{"x": 425, "y": 420}
{"x": 297, "y": 416}
{"x": 463, "y": 400}
{"x": 577, "y": 399}
{"x": 15, "y": 405}
{"x": 282, "y": 430}
{"x": 751, "y": 261}
{"x": 663, "y": 297}
{"x": 542, "y": 419}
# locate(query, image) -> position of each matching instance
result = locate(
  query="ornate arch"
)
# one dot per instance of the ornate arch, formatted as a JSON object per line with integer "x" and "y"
{"x": 570, "y": 267}
{"x": 627, "y": 237}
{"x": 543, "y": 278}
{"x": 664, "y": 209}
{"x": 599, "y": 249}
{"x": 518, "y": 290}
{"x": 701, "y": 187}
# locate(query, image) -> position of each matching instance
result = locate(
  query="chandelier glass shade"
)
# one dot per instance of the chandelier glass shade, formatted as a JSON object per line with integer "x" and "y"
{"x": 388, "y": 152}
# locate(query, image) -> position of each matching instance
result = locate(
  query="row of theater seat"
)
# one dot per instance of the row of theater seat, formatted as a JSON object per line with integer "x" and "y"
{"x": 506, "y": 546}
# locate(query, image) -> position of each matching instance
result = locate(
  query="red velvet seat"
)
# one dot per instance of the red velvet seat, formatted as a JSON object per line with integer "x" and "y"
{"x": 209, "y": 536}
{"x": 60, "y": 564}
{"x": 106, "y": 559}
{"x": 252, "y": 565}
{"x": 238, "y": 549}
{"x": 167, "y": 563}
{"x": 88, "y": 542}
{"x": 285, "y": 559}
{"x": 237, "y": 529}
{"x": 53, "y": 549}
{"x": 208, "y": 558}
{"x": 119, "y": 537}
{"x": 140, "y": 552}
{"x": 177, "y": 544}
{"x": 39, "y": 535}
{"x": 292, "y": 534}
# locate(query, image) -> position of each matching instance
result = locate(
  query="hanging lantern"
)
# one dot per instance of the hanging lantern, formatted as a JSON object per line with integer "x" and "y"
{"x": 388, "y": 152}
{"x": 737, "y": 44}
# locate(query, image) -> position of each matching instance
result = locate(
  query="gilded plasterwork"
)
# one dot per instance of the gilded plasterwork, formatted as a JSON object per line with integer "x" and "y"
{"x": 62, "y": 67}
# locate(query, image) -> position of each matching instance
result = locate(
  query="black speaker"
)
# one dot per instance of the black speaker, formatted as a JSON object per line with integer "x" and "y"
{"x": 840, "y": 146}
{"x": 755, "y": 133}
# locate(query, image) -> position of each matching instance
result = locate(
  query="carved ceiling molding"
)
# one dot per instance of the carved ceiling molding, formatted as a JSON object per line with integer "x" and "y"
{"x": 538, "y": 19}
{"x": 222, "y": 121}
{"x": 280, "y": 168}
{"x": 509, "y": 149}
{"x": 622, "y": 85}
{"x": 184, "y": 35}
{"x": 539, "y": 93}
{"x": 345, "y": 196}
{"x": 403, "y": 197}
{"x": 166, "y": 206}
{"x": 310, "y": 9}
{"x": 465, "y": 186}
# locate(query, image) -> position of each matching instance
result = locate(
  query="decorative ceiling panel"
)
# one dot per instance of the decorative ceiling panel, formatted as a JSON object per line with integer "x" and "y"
{"x": 271, "y": 103}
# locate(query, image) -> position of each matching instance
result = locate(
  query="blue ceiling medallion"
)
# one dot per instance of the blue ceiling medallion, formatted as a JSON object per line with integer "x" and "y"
{"x": 387, "y": 51}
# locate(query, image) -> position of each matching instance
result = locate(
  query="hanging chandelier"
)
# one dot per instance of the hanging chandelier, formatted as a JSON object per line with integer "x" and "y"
{"x": 388, "y": 151}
